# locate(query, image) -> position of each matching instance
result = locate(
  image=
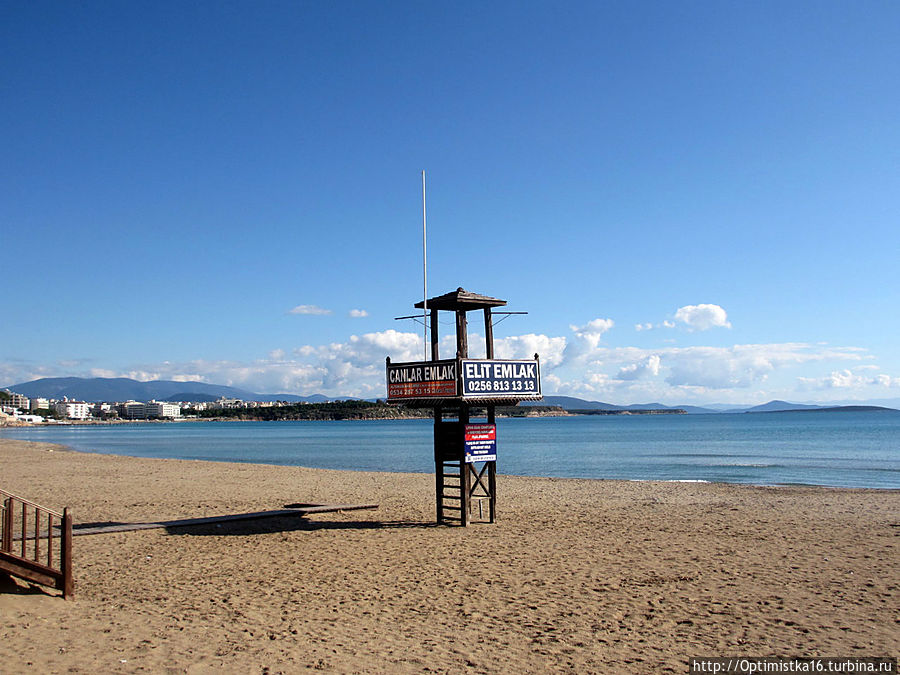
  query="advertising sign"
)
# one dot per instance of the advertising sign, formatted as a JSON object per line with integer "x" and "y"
{"x": 500, "y": 379}
{"x": 481, "y": 443}
{"x": 421, "y": 379}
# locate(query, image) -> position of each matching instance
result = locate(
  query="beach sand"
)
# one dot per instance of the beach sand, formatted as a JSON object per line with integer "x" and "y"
{"x": 582, "y": 576}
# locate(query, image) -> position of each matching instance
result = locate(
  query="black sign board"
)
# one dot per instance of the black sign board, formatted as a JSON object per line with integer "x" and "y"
{"x": 494, "y": 378}
{"x": 422, "y": 379}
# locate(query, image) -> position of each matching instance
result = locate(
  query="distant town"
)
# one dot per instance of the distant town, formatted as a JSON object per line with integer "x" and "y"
{"x": 19, "y": 408}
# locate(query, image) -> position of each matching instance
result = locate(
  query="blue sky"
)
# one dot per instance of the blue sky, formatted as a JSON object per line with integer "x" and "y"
{"x": 696, "y": 202}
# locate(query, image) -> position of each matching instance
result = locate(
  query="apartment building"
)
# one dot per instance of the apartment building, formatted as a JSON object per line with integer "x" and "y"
{"x": 17, "y": 400}
{"x": 73, "y": 410}
{"x": 162, "y": 409}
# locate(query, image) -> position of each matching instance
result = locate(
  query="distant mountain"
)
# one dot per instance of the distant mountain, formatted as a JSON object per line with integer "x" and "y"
{"x": 779, "y": 406}
{"x": 881, "y": 402}
{"x": 727, "y": 407}
{"x": 572, "y": 403}
{"x": 124, "y": 389}
{"x": 191, "y": 397}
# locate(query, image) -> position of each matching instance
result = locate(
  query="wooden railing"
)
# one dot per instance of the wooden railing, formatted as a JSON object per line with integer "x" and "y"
{"x": 36, "y": 543}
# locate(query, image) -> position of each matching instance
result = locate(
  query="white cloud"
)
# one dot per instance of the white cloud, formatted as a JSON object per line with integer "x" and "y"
{"x": 587, "y": 338}
{"x": 550, "y": 383}
{"x": 593, "y": 330}
{"x": 358, "y": 313}
{"x": 702, "y": 317}
{"x": 709, "y": 368}
{"x": 650, "y": 326}
{"x": 550, "y": 349}
{"x": 276, "y": 354}
{"x": 848, "y": 379}
{"x": 742, "y": 366}
{"x": 314, "y": 310}
{"x": 650, "y": 366}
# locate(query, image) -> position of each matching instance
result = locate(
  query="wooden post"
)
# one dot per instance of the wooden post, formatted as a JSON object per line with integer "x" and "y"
{"x": 465, "y": 478}
{"x": 462, "y": 338}
{"x": 438, "y": 466}
{"x": 66, "y": 555}
{"x": 492, "y": 469}
{"x": 434, "y": 335}
{"x": 488, "y": 334}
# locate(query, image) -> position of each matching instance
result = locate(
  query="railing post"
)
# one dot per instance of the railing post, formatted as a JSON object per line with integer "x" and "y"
{"x": 24, "y": 528}
{"x": 66, "y": 554}
{"x": 6, "y": 544}
{"x": 37, "y": 535}
{"x": 49, "y": 540}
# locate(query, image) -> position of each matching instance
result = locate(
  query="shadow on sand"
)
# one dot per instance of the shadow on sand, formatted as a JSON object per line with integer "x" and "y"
{"x": 245, "y": 527}
{"x": 11, "y": 586}
{"x": 288, "y": 524}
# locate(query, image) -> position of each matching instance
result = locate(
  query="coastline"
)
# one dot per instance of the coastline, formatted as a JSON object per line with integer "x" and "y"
{"x": 577, "y": 574}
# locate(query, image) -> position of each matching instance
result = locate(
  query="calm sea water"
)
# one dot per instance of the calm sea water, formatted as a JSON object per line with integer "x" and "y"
{"x": 842, "y": 449}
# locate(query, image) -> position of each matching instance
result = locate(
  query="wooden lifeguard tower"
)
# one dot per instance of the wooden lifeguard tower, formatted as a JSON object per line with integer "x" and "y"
{"x": 465, "y": 454}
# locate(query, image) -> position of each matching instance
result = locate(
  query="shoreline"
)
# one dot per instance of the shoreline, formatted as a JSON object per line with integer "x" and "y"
{"x": 579, "y": 575}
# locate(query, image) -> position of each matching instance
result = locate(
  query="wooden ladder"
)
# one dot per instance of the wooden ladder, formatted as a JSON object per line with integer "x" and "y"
{"x": 452, "y": 491}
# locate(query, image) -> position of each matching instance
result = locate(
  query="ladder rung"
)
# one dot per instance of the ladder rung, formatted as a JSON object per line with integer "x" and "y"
{"x": 451, "y": 497}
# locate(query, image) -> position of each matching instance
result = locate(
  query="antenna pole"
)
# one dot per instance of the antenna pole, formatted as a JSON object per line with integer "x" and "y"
{"x": 424, "y": 272}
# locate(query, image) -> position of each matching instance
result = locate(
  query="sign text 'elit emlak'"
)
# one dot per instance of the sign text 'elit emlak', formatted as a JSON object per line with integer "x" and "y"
{"x": 497, "y": 378}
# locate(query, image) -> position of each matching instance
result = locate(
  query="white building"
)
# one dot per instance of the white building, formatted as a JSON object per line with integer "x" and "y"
{"x": 223, "y": 402}
{"x": 162, "y": 409}
{"x": 73, "y": 410}
{"x": 40, "y": 404}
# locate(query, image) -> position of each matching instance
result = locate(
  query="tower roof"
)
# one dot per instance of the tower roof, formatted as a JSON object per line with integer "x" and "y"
{"x": 461, "y": 299}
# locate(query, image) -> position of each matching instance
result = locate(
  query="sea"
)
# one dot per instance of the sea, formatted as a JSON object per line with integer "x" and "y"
{"x": 830, "y": 448}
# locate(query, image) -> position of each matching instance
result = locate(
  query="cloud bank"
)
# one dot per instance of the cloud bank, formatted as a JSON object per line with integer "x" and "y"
{"x": 579, "y": 363}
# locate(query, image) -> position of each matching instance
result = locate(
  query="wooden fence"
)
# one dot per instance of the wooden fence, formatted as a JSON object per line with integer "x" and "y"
{"x": 36, "y": 543}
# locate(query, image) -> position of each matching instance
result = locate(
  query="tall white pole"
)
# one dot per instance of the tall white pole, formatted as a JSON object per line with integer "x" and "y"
{"x": 424, "y": 271}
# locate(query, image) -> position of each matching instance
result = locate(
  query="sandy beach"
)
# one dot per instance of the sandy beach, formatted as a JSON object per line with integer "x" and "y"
{"x": 576, "y": 575}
